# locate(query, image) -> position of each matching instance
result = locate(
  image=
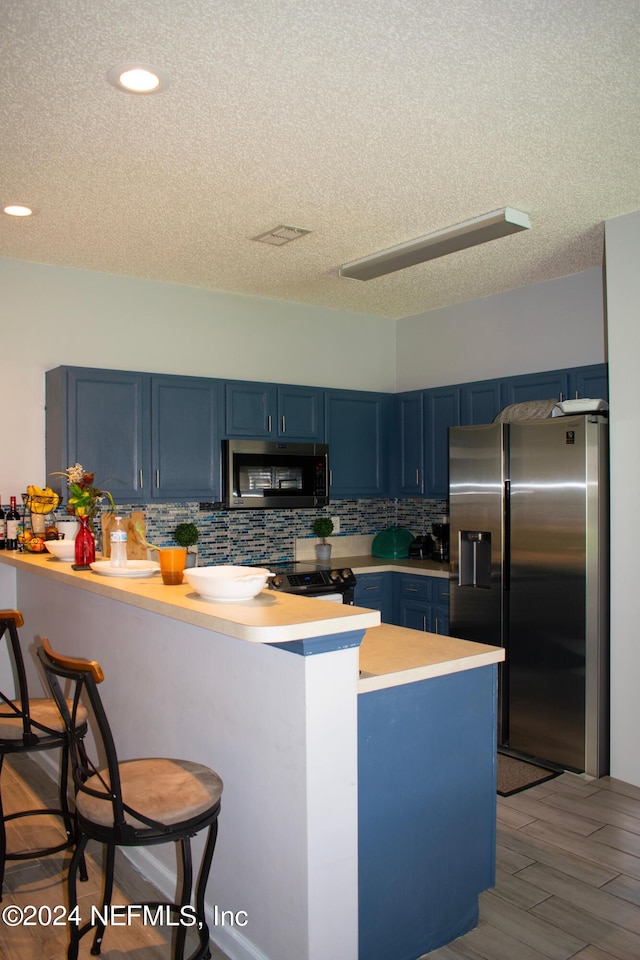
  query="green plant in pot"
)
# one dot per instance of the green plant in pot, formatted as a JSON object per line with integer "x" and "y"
{"x": 323, "y": 528}
{"x": 186, "y": 535}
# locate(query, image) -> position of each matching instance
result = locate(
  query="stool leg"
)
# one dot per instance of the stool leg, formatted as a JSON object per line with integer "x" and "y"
{"x": 75, "y": 932}
{"x": 64, "y": 799}
{"x": 106, "y": 896}
{"x": 3, "y": 834}
{"x": 185, "y": 894}
{"x": 203, "y": 877}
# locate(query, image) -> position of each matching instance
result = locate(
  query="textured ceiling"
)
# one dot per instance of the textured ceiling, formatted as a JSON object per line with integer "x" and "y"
{"x": 367, "y": 122}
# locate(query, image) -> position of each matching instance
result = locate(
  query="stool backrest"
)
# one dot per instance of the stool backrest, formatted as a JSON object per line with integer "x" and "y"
{"x": 100, "y": 780}
{"x": 14, "y": 705}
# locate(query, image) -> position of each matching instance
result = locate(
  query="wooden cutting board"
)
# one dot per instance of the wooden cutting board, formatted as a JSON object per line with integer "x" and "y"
{"x": 136, "y": 550}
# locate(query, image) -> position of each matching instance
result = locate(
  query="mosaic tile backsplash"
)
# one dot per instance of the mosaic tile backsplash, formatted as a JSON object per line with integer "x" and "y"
{"x": 251, "y": 536}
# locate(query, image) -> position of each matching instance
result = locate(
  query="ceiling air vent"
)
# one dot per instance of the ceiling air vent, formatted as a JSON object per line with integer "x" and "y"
{"x": 281, "y": 235}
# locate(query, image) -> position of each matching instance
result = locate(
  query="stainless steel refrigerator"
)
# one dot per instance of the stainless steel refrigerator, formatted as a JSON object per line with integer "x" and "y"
{"x": 529, "y": 571}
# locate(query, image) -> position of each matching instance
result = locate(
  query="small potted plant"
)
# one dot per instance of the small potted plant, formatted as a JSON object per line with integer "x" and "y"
{"x": 323, "y": 527}
{"x": 186, "y": 535}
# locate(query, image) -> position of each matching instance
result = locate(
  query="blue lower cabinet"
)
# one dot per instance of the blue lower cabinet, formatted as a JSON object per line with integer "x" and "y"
{"x": 421, "y": 603}
{"x": 441, "y": 607}
{"x": 374, "y": 592}
{"x": 427, "y": 811}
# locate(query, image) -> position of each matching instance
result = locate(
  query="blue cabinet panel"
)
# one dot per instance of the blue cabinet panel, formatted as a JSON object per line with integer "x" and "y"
{"x": 480, "y": 402}
{"x": 426, "y": 811}
{"x": 442, "y": 410}
{"x": 537, "y": 386}
{"x": 375, "y": 592}
{"x": 185, "y": 454}
{"x": 98, "y": 418}
{"x": 357, "y": 434}
{"x": 408, "y": 444}
{"x": 301, "y": 413}
{"x": 249, "y": 409}
{"x": 591, "y": 382}
{"x": 266, "y": 410}
{"x": 441, "y": 607}
{"x": 421, "y": 603}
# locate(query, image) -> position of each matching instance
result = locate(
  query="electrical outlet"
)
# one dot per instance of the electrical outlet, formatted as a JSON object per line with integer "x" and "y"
{"x": 336, "y": 524}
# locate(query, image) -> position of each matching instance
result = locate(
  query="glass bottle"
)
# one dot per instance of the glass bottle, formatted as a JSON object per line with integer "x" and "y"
{"x": 3, "y": 527}
{"x": 85, "y": 544}
{"x": 13, "y": 519}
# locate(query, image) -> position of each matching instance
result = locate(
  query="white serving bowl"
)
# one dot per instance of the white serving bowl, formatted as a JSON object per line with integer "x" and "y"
{"x": 228, "y": 582}
{"x": 62, "y": 549}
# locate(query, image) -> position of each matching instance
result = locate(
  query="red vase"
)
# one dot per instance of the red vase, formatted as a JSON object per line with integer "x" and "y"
{"x": 85, "y": 544}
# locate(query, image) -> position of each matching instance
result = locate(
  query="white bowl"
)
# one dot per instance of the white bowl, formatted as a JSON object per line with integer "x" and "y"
{"x": 62, "y": 549}
{"x": 228, "y": 582}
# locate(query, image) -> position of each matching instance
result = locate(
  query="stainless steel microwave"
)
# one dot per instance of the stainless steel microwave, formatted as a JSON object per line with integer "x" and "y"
{"x": 260, "y": 474}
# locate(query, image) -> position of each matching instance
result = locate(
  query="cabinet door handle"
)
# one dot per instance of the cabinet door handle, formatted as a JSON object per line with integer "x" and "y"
{"x": 417, "y": 477}
{"x": 371, "y": 586}
{"x": 411, "y": 589}
{"x": 157, "y": 479}
{"x": 437, "y": 626}
{"x": 424, "y": 622}
{"x": 283, "y": 427}
{"x": 269, "y": 424}
{"x": 140, "y": 483}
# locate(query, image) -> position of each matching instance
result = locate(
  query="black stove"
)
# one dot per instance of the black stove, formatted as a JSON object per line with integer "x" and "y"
{"x": 313, "y": 579}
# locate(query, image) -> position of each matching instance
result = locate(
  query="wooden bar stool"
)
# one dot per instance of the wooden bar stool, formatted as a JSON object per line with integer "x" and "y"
{"x": 27, "y": 725}
{"x": 132, "y": 803}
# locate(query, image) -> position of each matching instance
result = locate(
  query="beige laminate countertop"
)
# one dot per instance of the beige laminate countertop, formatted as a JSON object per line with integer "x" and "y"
{"x": 369, "y": 564}
{"x": 390, "y": 656}
{"x": 269, "y": 618}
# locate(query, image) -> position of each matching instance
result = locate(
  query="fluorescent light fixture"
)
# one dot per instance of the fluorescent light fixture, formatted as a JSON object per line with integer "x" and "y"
{"x": 137, "y": 78}
{"x": 490, "y": 226}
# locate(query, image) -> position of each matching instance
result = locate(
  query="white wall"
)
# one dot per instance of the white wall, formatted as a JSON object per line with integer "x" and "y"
{"x": 544, "y": 326}
{"x": 53, "y": 315}
{"x": 623, "y": 322}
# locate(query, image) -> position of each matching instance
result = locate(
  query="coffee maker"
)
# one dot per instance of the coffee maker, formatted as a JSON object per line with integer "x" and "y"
{"x": 441, "y": 542}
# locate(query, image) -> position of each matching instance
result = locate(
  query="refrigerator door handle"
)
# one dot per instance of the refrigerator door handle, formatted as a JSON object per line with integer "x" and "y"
{"x": 506, "y": 551}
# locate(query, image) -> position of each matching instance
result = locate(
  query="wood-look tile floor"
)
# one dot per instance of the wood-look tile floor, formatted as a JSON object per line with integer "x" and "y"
{"x": 40, "y": 883}
{"x": 567, "y": 882}
{"x": 567, "y": 878}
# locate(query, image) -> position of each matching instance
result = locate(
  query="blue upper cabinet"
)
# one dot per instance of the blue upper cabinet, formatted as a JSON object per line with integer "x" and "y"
{"x": 357, "y": 431}
{"x": 301, "y": 413}
{"x": 185, "y": 458}
{"x": 480, "y": 402}
{"x": 98, "y": 418}
{"x": 249, "y": 409}
{"x": 143, "y": 437}
{"x": 442, "y": 410}
{"x": 589, "y": 382}
{"x": 408, "y": 441}
{"x": 269, "y": 411}
{"x": 422, "y": 419}
{"x": 536, "y": 386}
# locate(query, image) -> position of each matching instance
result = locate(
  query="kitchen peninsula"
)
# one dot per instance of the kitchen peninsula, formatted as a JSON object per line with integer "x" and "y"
{"x": 358, "y": 816}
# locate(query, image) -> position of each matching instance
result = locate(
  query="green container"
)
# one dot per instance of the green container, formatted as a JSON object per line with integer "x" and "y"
{"x": 392, "y": 544}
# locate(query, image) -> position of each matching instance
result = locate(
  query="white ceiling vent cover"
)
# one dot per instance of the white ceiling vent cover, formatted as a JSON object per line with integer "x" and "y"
{"x": 281, "y": 235}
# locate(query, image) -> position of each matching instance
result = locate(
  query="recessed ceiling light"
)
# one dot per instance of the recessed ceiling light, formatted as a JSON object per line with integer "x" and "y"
{"x": 137, "y": 78}
{"x": 18, "y": 210}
